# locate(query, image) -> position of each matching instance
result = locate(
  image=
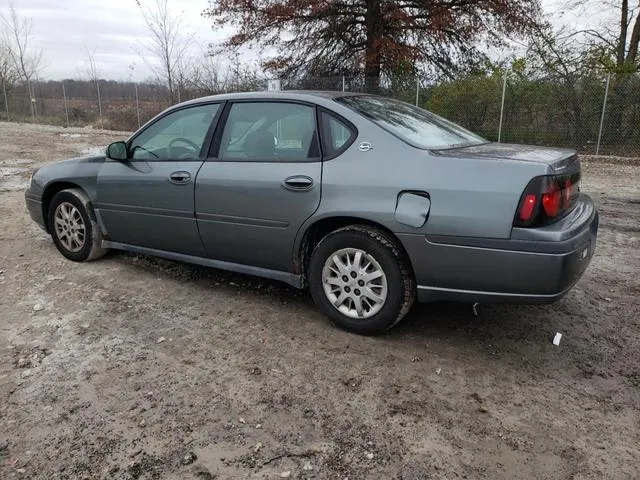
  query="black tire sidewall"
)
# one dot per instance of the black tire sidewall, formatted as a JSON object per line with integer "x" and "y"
{"x": 384, "y": 255}
{"x": 85, "y": 251}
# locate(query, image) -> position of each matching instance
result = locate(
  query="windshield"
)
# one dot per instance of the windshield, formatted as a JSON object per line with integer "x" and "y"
{"x": 414, "y": 125}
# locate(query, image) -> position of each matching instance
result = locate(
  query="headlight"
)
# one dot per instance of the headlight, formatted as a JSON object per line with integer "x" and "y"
{"x": 31, "y": 177}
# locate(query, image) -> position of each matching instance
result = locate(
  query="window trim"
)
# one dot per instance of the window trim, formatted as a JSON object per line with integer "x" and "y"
{"x": 214, "y": 149}
{"x": 326, "y": 133}
{"x": 207, "y": 138}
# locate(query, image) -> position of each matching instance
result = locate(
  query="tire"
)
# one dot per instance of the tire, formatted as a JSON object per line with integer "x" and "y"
{"x": 378, "y": 252}
{"x": 74, "y": 205}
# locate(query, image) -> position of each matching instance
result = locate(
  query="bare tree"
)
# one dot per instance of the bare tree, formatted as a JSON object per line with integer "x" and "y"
{"x": 614, "y": 42}
{"x": 239, "y": 76}
{"x": 182, "y": 73}
{"x": 206, "y": 76}
{"x": 614, "y": 45}
{"x": 94, "y": 76}
{"x": 26, "y": 58}
{"x": 202, "y": 74}
{"x": 8, "y": 73}
{"x": 567, "y": 62}
{"x": 168, "y": 43}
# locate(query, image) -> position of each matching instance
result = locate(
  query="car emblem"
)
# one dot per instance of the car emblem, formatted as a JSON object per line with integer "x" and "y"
{"x": 365, "y": 147}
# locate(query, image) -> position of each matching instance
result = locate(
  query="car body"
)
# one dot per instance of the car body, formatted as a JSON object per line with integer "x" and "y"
{"x": 254, "y": 182}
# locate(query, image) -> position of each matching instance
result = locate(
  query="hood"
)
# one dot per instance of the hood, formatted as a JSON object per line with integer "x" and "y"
{"x": 79, "y": 160}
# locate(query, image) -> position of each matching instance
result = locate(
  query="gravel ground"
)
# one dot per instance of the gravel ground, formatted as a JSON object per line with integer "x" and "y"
{"x": 133, "y": 367}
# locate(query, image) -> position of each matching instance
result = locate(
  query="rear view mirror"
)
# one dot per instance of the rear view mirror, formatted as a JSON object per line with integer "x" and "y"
{"x": 117, "y": 151}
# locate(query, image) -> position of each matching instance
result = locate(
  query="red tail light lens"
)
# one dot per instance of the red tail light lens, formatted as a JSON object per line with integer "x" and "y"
{"x": 527, "y": 206}
{"x": 551, "y": 199}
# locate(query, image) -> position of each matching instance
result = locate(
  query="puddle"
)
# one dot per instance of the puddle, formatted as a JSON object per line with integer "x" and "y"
{"x": 13, "y": 184}
{"x": 16, "y": 161}
{"x": 14, "y": 178}
{"x": 74, "y": 135}
{"x": 92, "y": 151}
{"x": 9, "y": 171}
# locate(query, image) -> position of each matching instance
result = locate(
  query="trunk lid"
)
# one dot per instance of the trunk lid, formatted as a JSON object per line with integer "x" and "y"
{"x": 549, "y": 196}
{"x": 560, "y": 161}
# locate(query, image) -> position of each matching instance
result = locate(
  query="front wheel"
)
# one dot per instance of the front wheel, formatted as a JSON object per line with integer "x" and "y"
{"x": 75, "y": 233}
{"x": 361, "y": 280}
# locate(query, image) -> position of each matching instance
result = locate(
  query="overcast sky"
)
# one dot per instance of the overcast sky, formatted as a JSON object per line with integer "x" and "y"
{"x": 115, "y": 29}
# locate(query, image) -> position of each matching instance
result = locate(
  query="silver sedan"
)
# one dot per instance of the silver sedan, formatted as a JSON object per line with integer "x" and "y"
{"x": 367, "y": 201}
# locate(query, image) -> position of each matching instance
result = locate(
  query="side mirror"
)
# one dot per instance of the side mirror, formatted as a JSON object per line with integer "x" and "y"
{"x": 117, "y": 151}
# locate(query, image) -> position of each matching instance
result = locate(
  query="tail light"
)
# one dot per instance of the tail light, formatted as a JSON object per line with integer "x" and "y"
{"x": 546, "y": 199}
{"x": 527, "y": 207}
{"x": 552, "y": 198}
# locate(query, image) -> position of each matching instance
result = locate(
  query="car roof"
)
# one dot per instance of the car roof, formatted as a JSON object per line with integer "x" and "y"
{"x": 301, "y": 95}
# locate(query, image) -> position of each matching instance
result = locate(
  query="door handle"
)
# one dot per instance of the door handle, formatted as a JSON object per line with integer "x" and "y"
{"x": 180, "y": 178}
{"x": 298, "y": 183}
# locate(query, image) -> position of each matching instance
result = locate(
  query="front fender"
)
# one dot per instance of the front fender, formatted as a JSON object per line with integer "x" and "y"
{"x": 48, "y": 180}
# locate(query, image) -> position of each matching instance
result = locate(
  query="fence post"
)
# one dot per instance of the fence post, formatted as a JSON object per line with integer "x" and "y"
{"x": 504, "y": 92}
{"x": 35, "y": 98}
{"x": 64, "y": 98}
{"x": 417, "y": 90}
{"x": 99, "y": 104}
{"x": 135, "y": 86}
{"x": 32, "y": 101}
{"x": 343, "y": 84}
{"x": 6, "y": 101}
{"x": 604, "y": 108}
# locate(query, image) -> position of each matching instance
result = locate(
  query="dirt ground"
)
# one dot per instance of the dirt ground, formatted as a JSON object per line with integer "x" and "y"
{"x": 133, "y": 367}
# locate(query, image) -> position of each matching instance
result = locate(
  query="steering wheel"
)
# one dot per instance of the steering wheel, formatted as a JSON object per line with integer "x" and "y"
{"x": 193, "y": 145}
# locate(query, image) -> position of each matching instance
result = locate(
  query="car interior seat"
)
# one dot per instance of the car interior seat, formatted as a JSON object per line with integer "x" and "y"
{"x": 260, "y": 145}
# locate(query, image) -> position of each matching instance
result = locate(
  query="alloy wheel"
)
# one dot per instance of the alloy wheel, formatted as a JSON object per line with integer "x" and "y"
{"x": 354, "y": 283}
{"x": 70, "y": 227}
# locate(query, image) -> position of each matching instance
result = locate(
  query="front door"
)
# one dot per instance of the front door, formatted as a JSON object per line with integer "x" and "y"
{"x": 262, "y": 183}
{"x": 148, "y": 200}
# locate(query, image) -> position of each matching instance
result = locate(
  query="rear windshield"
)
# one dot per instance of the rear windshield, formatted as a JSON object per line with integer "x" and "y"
{"x": 416, "y": 126}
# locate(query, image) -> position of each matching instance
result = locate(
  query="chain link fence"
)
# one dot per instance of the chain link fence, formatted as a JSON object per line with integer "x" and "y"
{"x": 595, "y": 114}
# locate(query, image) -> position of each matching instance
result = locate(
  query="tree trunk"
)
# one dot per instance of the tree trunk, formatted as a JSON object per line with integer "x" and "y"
{"x": 622, "y": 40}
{"x": 576, "y": 132}
{"x": 632, "y": 54}
{"x": 170, "y": 85}
{"x": 617, "y": 103}
{"x": 373, "y": 26}
{"x": 618, "y": 95}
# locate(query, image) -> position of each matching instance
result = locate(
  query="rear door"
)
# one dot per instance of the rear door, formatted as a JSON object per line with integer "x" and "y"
{"x": 148, "y": 200}
{"x": 262, "y": 182}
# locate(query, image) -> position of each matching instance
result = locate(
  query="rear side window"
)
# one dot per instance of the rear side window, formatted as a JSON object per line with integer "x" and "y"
{"x": 417, "y": 127}
{"x": 338, "y": 135}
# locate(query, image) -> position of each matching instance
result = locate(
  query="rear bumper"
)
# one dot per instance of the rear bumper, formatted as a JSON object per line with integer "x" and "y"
{"x": 534, "y": 266}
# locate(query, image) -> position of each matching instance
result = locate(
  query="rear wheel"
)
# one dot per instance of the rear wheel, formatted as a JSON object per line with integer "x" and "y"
{"x": 361, "y": 280}
{"x": 75, "y": 234}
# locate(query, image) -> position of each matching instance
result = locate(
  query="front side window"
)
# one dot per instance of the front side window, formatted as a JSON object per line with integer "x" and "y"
{"x": 416, "y": 126}
{"x": 270, "y": 131}
{"x": 177, "y": 136}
